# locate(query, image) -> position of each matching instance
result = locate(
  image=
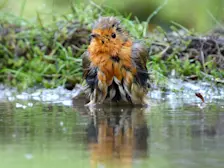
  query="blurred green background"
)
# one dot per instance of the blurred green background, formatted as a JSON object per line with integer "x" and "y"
{"x": 200, "y": 15}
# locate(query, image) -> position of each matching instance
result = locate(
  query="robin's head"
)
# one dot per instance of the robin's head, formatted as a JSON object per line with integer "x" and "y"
{"x": 107, "y": 36}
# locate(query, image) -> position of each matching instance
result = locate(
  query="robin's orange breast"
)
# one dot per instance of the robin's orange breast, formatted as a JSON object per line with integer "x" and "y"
{"x": 113, "y": 66}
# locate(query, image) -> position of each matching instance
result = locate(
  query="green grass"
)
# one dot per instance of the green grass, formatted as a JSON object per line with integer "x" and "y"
{"x": 44, "y": 53}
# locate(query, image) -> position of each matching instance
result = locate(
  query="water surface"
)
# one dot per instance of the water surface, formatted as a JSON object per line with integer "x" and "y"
{"x": 177, "y": 130}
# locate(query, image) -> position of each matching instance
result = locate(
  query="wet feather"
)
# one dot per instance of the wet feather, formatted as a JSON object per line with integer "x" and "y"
{"x": 114, "y": 67}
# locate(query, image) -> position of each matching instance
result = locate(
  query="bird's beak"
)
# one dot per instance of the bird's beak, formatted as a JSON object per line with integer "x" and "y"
{"x": 94, "y": 35}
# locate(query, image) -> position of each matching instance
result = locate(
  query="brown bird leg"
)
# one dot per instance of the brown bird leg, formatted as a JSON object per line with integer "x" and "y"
{"x": 93, "y": 97}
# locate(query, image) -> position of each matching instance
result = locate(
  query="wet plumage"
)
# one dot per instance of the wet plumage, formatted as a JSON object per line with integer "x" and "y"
{"x": 114, "y": 67}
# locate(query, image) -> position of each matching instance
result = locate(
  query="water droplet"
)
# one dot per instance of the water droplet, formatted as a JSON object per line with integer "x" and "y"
{"x": 202, "y": 105}
{"x": 173, "y": 72}
{"x": 28, "y": 156}
{"x": 18, "y": 105}
{"x": 67, "y": 102}
{"x": 30, "y": 104}
{"x": 11, "y": 98}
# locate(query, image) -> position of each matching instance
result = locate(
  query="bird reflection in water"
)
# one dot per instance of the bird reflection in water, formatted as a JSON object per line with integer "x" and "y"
{"x": 117, "y": 136}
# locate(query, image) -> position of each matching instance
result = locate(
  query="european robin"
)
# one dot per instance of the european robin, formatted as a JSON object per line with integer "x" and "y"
{"x": 114, "y": 67}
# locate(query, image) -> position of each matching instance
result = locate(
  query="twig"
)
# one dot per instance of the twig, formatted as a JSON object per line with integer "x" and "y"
{"x": 22, "y": 8}
{"x": 202, "y": 57}
{"x": 180, "y": 26}
{"x": 214, "y": 19}
{"x": 153, "y": 14}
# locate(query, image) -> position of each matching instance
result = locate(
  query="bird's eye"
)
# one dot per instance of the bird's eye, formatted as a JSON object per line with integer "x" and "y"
{"x": 113, "y": 35}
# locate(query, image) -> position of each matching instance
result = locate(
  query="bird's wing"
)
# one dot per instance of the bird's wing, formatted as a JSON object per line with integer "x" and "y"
{"x": 85, "y": 63}
{"x": 89, "y": 72}
{"x": 139, "y": 59}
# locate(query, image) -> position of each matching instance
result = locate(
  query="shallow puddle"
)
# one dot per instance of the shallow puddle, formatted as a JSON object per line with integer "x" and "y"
{"x": 176, "y": 130}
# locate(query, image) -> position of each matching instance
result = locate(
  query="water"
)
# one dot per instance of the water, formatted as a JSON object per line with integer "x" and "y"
{"x": 177, "y": 130}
